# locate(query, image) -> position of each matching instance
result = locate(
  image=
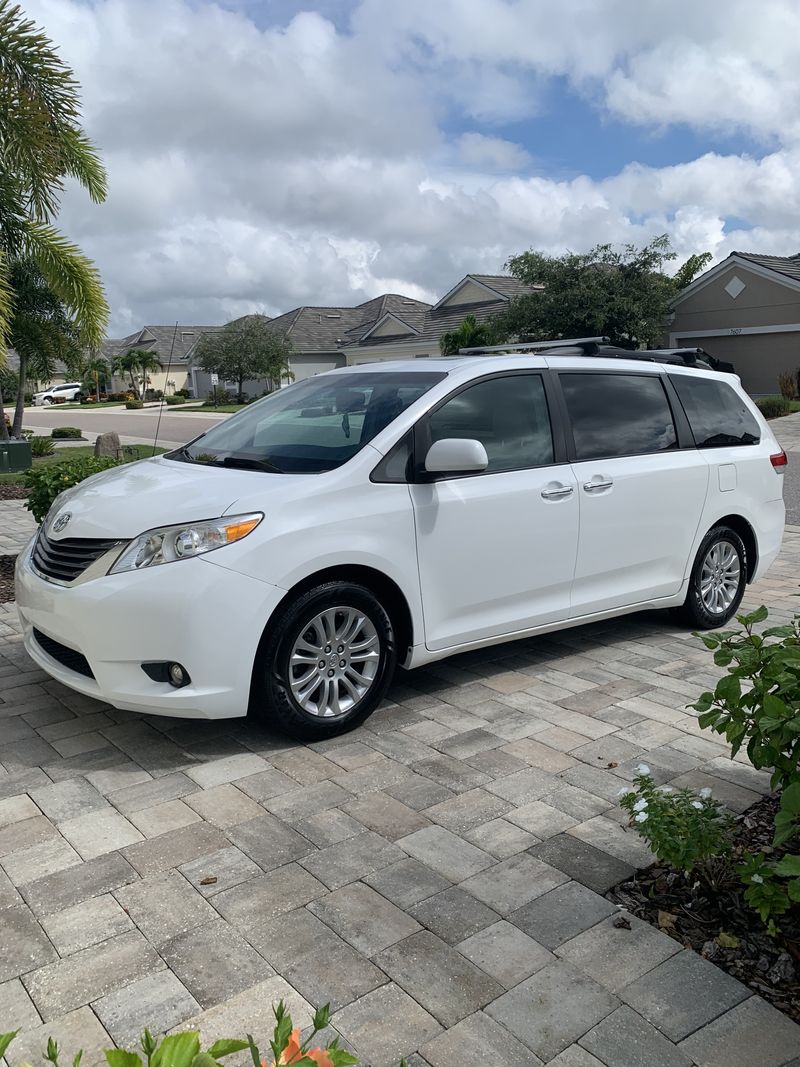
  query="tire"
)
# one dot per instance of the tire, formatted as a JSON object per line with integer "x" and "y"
{"x": 284, "y": 695}
{"x": 722, "y": 560}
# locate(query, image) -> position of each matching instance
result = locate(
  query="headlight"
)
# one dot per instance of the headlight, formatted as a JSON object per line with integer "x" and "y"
{"x": 172, "y": 543}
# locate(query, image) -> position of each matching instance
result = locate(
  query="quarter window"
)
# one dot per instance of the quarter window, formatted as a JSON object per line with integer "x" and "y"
{"x": 717, "y": 414}
{"x": 507, "y": 415}
{"x": 618, "y": 414}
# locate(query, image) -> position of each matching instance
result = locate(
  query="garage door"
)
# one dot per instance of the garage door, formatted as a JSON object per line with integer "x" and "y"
{"x": 758, "y": 358}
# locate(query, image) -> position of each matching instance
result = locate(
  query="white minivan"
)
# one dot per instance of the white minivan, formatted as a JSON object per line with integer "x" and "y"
{"x": 286, "y": 560}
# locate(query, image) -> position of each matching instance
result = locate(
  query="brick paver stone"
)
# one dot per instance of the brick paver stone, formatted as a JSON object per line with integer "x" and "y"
{"x": 751, "y": 1033}
{"x": 385, "y": 1025}
{"x": 625, "y": 1038}
{"x": 478, "y": 1039}
{"x": 158, "y": 1002}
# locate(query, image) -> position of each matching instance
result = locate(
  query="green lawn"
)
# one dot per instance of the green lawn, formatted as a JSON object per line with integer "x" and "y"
{"x": 103, "y": 406}
{"x": 794, "y": 404}
{"x": 221, "y": 408}
{"x": 61, "y": 454}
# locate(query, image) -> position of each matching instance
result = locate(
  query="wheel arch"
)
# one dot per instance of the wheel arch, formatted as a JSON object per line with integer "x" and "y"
{"x": 743, "y": 528}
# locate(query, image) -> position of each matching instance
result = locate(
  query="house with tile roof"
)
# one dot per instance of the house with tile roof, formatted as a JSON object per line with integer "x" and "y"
{"x": 745, "y": 311}
{"x": 172, "y": 347}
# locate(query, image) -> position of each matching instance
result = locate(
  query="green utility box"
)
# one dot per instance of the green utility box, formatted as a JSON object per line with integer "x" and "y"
{"x": 15, "y": 456}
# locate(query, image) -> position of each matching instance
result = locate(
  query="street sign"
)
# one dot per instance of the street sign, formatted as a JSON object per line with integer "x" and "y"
{"x": 215, "y": 379}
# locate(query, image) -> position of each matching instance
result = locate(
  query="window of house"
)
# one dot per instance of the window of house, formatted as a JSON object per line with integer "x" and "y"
{"x": 618, "y": 414}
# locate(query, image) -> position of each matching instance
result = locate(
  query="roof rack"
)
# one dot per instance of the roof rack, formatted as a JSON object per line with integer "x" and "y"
{"x": 599, "y": 346}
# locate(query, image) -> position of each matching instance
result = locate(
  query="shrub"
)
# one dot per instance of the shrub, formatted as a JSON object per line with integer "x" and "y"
{"x": 42, "y": 446}
{"x": 133, "y": 405}
{"x": 58, "y": 400}
{"x": 786, "y": 384}
{"x": 124, "y": 395}
{"x": 46, "y": 483}
{"x": 757, "y": 704}
{"x": 184, "y": 1049}
{"x": 66, "y": 432}
{"x": 686, "y": 830}
{"x": 186, "y": 393}
{"x": 772, "y": 407}
{"x": 174, "y": 399}
{"x": 90, "y": 398}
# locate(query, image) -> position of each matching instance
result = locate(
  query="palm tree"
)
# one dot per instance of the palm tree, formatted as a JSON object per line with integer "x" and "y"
{"x": 40, "y": 330}
{"x": 137, "y": 363}
{"x": 96, "y": 371}
{"x": 470, "y": 334}
{"x": 41, "y": 145}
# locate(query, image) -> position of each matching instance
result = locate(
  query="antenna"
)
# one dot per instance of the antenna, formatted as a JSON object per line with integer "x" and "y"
{"x": 164, "y": 394}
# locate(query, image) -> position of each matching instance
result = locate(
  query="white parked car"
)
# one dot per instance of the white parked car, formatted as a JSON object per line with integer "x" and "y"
{"x": 289, "y": 558}
{"x": 52, "y": 395}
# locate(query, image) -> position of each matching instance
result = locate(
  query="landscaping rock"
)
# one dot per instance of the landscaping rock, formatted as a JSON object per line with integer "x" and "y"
{"x": 107, "y": 444}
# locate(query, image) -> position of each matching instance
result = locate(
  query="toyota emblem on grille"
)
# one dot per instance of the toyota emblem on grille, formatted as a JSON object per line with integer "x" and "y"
{"x": 61, "y": 522}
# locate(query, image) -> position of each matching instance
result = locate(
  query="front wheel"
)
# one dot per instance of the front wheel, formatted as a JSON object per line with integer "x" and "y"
{"x": 46, "y": 402}
{"x": 718, "y": 579}
{"x": 325, "y": 662}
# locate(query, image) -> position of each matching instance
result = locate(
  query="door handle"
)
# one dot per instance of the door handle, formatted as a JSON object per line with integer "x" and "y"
{"x": 557, "y": 492}
{"x": 595, "y": 487}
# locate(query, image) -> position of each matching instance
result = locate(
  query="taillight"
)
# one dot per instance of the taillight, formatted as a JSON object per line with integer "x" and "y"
{"x": 779, "y": 461}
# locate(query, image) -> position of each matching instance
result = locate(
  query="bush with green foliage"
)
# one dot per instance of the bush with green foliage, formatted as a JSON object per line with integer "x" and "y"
{"x": 184, "y": 1049}
{"x": 42, "y": 446}
{"x": 134, "y": 405}
{"x": 689, "y": 831}
{"x": 773, "y": 407}
{"x": 786, "y": 384}
{"x": 174, "y": 400}
{"x": 183, "y": 392}
{"x": 45, "y": 483}
{"x": 756, "y": 704}
{"x": 66, "y": 432}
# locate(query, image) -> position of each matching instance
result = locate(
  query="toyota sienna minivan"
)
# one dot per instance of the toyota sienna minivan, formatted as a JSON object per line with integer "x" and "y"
{"x": 287, "y": 560}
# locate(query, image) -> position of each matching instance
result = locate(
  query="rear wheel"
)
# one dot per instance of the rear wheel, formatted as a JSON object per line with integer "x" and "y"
{"x": 718, "y": 579}
{"x": 325, "y": 663}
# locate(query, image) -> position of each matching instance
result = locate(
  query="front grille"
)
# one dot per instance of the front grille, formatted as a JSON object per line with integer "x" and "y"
{"x": 67, "y": 657}
{"x": 68, "y": 558}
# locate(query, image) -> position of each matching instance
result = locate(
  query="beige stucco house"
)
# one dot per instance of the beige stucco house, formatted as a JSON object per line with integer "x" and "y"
{"x": 746, "y": 311}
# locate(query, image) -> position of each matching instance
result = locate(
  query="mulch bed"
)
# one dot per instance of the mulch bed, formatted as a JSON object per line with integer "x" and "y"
{"x": 7, "y": 578}
{"x": 696, "y": 916}
{"x": 13, "y": 492}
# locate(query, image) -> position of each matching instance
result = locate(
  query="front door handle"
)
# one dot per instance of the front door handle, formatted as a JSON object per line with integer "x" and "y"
{"x": 557, "y": 492}
{"x": 595, "y": 487}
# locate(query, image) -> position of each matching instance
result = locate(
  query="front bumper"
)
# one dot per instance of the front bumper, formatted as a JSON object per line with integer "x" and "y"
{"x": 205, "y": 617}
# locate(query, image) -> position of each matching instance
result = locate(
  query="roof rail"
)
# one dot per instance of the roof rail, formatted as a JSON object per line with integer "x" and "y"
{"x": 534, "y": 346}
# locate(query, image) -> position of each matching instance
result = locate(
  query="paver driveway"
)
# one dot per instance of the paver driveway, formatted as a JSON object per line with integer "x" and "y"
{"x": 437, "y": 875}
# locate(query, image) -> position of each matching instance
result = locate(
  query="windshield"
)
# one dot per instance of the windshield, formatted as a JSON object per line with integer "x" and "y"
{"x": 313, "y": 426}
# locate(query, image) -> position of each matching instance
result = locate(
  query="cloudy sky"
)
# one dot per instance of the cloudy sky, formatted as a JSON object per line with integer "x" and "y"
{"x": 269, "y": 153}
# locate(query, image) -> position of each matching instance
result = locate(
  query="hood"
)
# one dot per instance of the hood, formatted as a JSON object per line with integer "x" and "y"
{"x": 125, "y": 501}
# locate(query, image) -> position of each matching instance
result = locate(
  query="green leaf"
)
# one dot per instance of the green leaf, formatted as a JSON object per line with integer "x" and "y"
{"x": 118, "y": 1057}
{"x": 756, "y": 616}
{"x": 729, "y": 689}
{"x": 322, "y": 1017}
{"x": 707, "y": 718}
{"x": 789, "y": 866}
{"x": 203, "y": 1059}
{"x": 790, "y": 799}
{"x": 793, "y": 890}
{"x": 774, "y": 707}
{"x": 727, "y": 940}
{"x": 177, "y": 1050}
{"x": 6, "y": 1039}
{"x": 255, "y": 1052}
{"x": 340, "y": 1058}
{"x": 226, "y": 1046}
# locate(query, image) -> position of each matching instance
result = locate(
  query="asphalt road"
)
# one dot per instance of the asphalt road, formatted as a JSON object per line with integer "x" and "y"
{"x": 134, "y": 426}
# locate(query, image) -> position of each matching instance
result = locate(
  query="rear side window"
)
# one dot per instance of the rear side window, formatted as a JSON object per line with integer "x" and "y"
{"x": 618, "y": 414}
{"x": 507, "y": 415}
{"x": 717, "y": 414}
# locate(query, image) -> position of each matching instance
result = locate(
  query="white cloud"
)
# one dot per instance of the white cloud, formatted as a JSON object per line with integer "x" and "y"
{"x": 257, "y": 167}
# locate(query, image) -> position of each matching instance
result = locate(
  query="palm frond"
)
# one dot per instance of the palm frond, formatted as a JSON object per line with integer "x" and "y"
{"x": 73, "y": 278}
{"x": 6, "y": 306}
{"x": 30, "y": 65}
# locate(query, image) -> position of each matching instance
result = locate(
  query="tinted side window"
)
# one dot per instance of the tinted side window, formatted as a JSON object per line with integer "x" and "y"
{"x": 717, "y": 414}
{"x": 508, "y": 416}
{"x": 618, "y": 414}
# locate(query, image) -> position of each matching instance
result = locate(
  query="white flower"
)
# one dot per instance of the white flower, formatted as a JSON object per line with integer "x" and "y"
{"x": 643, "y": 769}
{"x": 697, "y": 804}
{"x": 705, "y": 793}
{"x": 623, "y": 792}
{"x": 640, "y": 805}
{"x": 757, "y": 879}
{"x": 641, "y": 817}
{"x": 667, "y": 789}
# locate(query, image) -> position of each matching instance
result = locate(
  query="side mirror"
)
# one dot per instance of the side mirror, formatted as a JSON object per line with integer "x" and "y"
{"x": 456, "y": 455}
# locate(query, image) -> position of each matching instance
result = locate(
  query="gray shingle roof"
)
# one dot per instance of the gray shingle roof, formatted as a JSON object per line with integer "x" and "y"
{"x": 504, "y": 284}
{"x": 787, "y": 265}
{"x": 159, "y": 341}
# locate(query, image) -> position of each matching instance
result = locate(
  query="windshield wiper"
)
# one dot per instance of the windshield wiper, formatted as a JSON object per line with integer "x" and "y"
{"x": 248, "y": 463}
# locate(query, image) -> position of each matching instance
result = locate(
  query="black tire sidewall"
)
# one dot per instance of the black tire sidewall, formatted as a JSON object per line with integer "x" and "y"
{"x": 694, "y": 607}
{"x": 273, "y": 702}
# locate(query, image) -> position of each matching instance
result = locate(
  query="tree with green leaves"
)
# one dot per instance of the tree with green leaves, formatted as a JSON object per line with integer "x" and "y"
{"x": 41, "y": 332}
{"x": 620, "y": 293}
{"x": 245, "y": 349}
{"x": 470, "y": 334}
{"x": 42, "y": 143}
{"x": 94, "y": 372}
{"x": 137, "y": 363}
